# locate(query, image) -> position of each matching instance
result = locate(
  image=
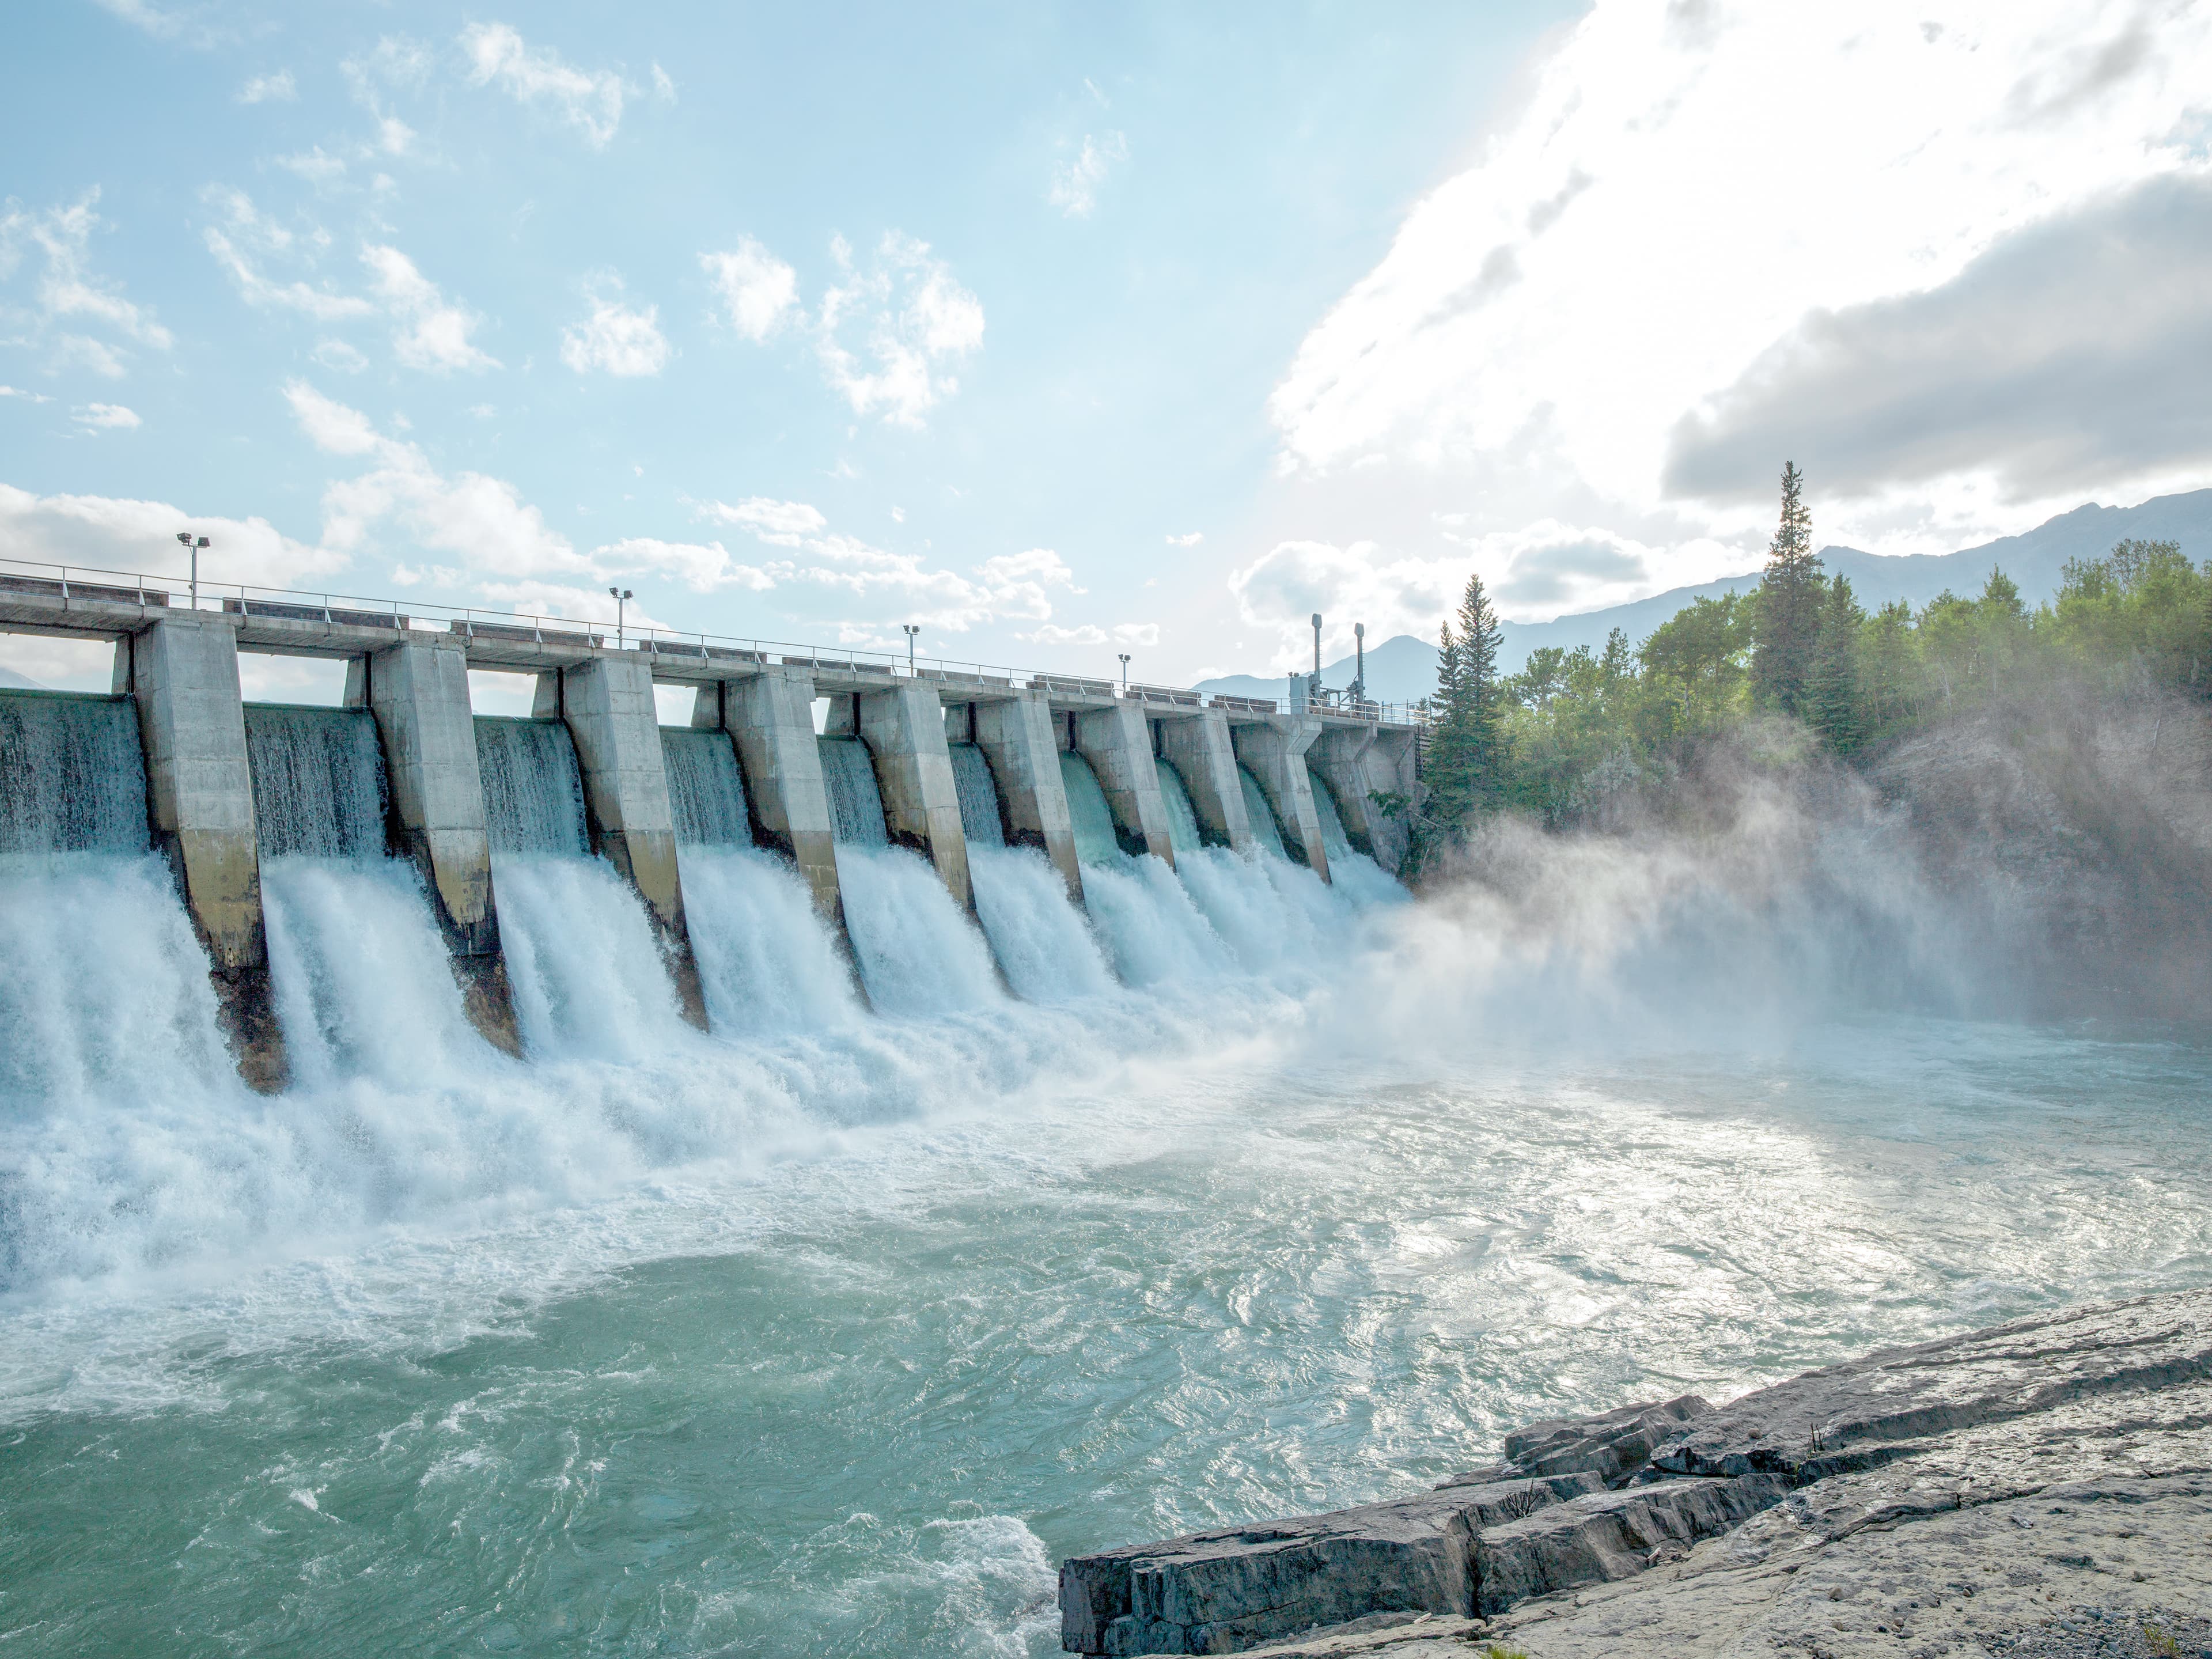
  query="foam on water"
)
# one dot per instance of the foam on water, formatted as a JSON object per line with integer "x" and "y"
{"x": 767, "y": 964}
{"x": 918, "y": 954}
{"x": 1046, "y": 949}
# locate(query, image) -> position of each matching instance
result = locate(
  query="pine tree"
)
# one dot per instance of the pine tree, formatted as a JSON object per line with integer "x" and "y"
{"x": 1463, "y": 768}
{"x": 1832, "y": 705}
{"x": 1791, "y": 598}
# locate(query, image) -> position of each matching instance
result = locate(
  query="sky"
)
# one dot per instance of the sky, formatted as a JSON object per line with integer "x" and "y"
{"x": 1061, "y": 331}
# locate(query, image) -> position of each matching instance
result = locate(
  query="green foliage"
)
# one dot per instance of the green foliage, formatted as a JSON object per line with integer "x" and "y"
{"x": 1573, "y": 726}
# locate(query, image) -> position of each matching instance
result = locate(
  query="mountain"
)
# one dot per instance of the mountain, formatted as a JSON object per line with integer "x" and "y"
{"x": 10, "y": 680}
{"x": 1404, "y": 669}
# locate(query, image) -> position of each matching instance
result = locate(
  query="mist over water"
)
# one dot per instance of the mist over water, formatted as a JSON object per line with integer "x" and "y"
{"x": 830, "y": 1332}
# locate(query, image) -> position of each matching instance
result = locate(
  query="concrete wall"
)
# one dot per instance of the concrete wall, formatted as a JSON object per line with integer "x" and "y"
{"x": 1118, "y": 744}
{"x": 904, "y": 730}
{"x": 1199, "y": 749}
{"x": 183, "y": 674}
{"x": 419, "y": 692}
{"x": 1273, "y": 750}
{"x": 771, "y": 716}
{"x": 1359, "y": 763}
{"x": 607, "y": 704}
{"x": 1015, "y": 736}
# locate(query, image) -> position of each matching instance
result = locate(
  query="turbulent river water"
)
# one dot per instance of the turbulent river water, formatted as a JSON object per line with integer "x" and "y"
{"x": 828, "y": 1335}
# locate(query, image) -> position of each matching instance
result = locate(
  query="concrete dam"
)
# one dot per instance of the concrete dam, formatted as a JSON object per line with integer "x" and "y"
{"x": 938, "y": 833}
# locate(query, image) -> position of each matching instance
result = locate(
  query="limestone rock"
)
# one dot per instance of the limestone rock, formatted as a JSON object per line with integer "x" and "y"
{"x": 1611, "y": 1446}
{"x": 1223, "y": 1592}
{"x": 1610, "y": 1536}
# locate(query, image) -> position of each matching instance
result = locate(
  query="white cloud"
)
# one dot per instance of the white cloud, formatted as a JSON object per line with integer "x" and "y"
{"x": 614, "y": 338}
{"x": 105, "y": 532}
{"x": 106, "y": 417}
{"x": 780, "y": 524}
{"x": 589, "y": 100}
{"x": 1686, "y": 187}
{"x": 664, "y": 85}
{"x": 68, "y": 288}
{"x": 1075, "y": 187}
{"x": 1007, "y": 587}
{"x": 700, "y": 566}
{"x": 160, "y": 24}
{"x": 18, "y": 391}
{"x": 1053, "y": 634}
{"x": 912, "y": 318}
{"x": 315, "y": 167}
{"x": 760, "y": 290}
{"x": 1192, "y": 540}
{"x": 1144, "y": 634}
{"x": 275, "y": 88}
{"x": 337, "y": 355}
{"x": 432, "y": 334}
{"x": 246, "y": 224}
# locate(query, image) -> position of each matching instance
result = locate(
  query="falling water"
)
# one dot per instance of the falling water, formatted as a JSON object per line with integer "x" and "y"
{"x": 706, "y": 788}
{"x": 1351, "y": 871}
{"x": 856, "y": 804}
{"x": 979, "y": 797}
{"x": 72, "y": 776}
{"x": 1152, "y": 931}
{"x": 918, "y": 954}
{"x": 533, "y": 792}
{"x": 1182, "y": 816}
{"x": 1265, "y": 828}
{"x": 317, "y": 781}
{"x": 768, "y": 964}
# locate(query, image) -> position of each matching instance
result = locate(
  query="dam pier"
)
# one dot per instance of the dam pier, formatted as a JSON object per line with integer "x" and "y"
{"x": 811, "y": 757}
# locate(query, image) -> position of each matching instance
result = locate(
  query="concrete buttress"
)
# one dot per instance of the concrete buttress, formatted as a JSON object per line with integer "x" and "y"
{"x": 1359, "y": 763}
{"x": 904, "y": 730}
{"x": 419, "y": 690}
{"x": 182, "y": 673}
{"x": 771, "y": 716}
{"x": 1015, "y": 735}
{"x": 1273, "y": 750}
{"x": 1118, "y": 744}
{"x": 1201, "y": 751}
{"x": 608, "y": 705}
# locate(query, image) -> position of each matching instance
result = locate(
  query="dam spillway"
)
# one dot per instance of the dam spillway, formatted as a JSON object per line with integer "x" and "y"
{"x": 956, "y": 839}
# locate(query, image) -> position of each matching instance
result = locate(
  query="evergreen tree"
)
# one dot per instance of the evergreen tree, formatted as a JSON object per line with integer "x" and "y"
{"x": 1463, "y": 766}
{"x": 1832, "y": 692}
{"x": 1791, "y": 598}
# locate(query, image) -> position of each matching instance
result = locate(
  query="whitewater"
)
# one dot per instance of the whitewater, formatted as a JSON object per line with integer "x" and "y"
{"x": 973, "y": 1241}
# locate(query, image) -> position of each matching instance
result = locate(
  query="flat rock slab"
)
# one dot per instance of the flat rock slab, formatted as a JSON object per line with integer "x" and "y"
{"x": 1226, "y": 1591}
{"x": 1613, "y": 1445}
{"x": 1610, "y": 1536}
{"x": 1859, "y": 1414}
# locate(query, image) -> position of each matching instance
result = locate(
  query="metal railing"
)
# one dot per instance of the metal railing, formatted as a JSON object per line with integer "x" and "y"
{"x": 70, "y": 582}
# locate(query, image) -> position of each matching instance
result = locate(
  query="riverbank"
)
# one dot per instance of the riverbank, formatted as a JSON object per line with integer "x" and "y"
{"x": 2047, "y": 1481}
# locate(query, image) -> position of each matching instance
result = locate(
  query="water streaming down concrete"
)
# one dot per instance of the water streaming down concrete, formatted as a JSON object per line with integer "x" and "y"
{"x": 706, "y": 788}
{"x": 72, "y": 775}
{"x": 1152, "y": 931}
{"x": 1363, "y": 880}
{"x": 318, "y": 789}
{"x": 1265, "y": 828}
{"x": 980, "y": 818}
{"x": 856, "y": 804}
{"x": 1183, "y": 814}
{"x": 533, "y": 792}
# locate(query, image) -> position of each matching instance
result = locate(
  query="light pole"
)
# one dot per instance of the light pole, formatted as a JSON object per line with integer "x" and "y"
{"x": 1315, "y": 696}
{"x": 621, "y": 596}
{"x": 909, "y": 629}
{"x": 1124, "y": 670}
{"x": 1360, "y": 674}
{"x": 193, "y": 548}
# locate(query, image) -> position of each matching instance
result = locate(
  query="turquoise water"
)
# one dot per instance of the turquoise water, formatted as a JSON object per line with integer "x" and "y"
{"x": 862, "y": 1402}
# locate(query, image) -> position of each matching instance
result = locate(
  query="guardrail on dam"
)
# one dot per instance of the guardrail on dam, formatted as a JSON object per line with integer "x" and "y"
{"x": 454, "y": 788}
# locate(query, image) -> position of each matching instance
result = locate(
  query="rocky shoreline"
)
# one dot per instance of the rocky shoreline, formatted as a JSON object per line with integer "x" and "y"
{"x": 2041, "y": 1487}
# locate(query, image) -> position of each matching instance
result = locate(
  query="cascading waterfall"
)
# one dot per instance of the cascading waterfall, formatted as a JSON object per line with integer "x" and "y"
{"x": 1352, "y": 871}
{"x": 588, "y": 979}
{"x": 1265, "y": 828}
{"x": 533, "y": 791}
{"x": 1152, "y": 931}
{"x": 1183, "y": 816}
{"x": 706, "y": 788}
{"x": 1046, "y": 949}
{"x": 74, "y": 780}
{"x": 767, "y": 964}
{"x": 318, "y": 787}
{"x": 918, "y": 954}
